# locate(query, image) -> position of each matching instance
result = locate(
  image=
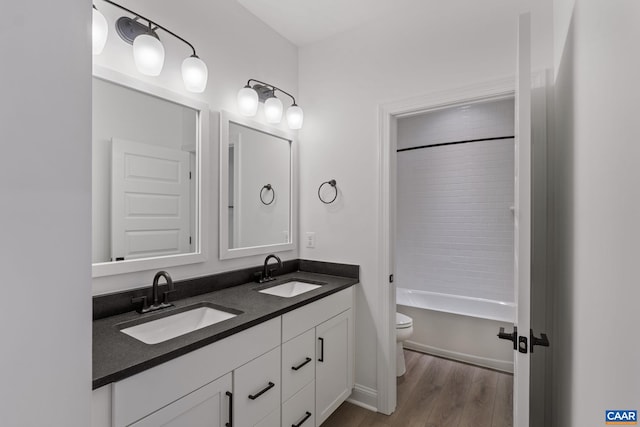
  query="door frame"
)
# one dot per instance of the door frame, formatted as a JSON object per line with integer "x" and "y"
{"x": 388, "y": 113}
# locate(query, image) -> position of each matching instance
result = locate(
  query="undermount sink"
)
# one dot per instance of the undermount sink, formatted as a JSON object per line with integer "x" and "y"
{"x": 290, "y": 289}
{"x": 188, "y": 319}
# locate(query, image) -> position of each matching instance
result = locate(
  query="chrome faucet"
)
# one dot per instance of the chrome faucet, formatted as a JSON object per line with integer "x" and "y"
{"x": 266, "y": 272}
{"x": 157, "y": 305}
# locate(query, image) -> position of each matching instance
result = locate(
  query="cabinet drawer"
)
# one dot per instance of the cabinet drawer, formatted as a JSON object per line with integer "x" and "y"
{"x": 298, "y": 364}
{"x": 256, "y": 389}
{"x": 298, "y": 321}
{"x": 205, "y": 407}
{"x": 300, "y": 409}
{"x": 271, "y": 420}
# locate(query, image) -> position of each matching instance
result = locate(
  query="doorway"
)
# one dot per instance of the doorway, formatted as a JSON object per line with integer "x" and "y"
{"x": 388, "y": 122}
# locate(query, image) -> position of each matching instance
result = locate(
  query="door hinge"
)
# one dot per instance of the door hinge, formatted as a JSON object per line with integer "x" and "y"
{"x": 189, "y": 174}
{"x": 189, "y": 239}
{"x": 391, "y": 278}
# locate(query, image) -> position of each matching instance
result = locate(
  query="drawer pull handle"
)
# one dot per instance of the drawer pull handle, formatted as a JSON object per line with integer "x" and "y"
{"x": 321, "y": 359}
{"x": 307, "y": 360}
{"x": 230, "y": 423}
{"x": 306, "y": 417}
{"x": 261, "y": 392}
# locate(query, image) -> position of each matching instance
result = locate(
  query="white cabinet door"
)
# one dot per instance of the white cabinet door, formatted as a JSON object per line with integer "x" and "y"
{"x": 206, "y": 407}
{"x": 333, "y": 365}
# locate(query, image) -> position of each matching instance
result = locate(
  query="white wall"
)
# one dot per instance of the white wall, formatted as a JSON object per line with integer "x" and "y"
{"x": 236, "y": 46}
{"x": 454, "y": 228}
{"x": 597, "y": 209}
{"x": 45, "y": 183}
{"x": 424, "y": 48}
{"x": 491, "y": 119}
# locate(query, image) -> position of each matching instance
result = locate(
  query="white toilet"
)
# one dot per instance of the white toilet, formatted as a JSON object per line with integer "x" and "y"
{"x": 404, "y": 330}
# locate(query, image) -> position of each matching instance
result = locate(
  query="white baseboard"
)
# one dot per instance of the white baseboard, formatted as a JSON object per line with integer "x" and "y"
{"x": 364, "y": 397}
{"x": 498, "y": 365}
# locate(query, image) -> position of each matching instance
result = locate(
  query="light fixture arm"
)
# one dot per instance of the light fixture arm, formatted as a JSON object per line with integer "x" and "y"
{"x": 137, "y": 15}
{"x": 274, "y": 88}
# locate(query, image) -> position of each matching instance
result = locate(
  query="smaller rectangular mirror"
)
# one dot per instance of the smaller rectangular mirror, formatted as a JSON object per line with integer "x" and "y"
{"x": 257, "y": 195}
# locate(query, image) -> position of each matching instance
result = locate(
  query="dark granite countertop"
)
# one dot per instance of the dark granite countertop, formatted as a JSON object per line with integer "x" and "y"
{"x": 117, "y": 356}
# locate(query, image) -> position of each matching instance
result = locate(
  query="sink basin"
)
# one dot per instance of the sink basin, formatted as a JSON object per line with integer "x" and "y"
{"x": 188, "y": 319}
{"x": 290, "y": 289}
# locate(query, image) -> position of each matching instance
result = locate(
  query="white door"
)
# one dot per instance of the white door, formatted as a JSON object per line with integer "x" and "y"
{"x": 150, "y": 214}
{"x": 522, "y": 216}
{"x": 332, "y": 365}
{"x": 206, "y": 407}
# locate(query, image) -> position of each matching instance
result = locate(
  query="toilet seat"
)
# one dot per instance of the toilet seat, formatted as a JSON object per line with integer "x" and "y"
{"x": 403, "y": 321}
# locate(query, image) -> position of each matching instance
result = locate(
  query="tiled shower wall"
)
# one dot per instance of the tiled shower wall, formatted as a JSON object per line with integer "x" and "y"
{"x": 454, "y": 218}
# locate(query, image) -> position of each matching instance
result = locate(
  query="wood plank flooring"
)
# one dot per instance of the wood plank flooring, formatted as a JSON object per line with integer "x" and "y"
{"x": 438, "y": 392}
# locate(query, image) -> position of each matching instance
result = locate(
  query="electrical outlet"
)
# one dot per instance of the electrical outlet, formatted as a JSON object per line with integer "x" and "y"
{"x": 311, "y": 239}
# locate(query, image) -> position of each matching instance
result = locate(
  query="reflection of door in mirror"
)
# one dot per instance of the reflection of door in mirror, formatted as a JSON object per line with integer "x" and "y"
{"x": 259, "y": 188}
{"x": 149, "y": 201}
{"x": 144, "y": 154}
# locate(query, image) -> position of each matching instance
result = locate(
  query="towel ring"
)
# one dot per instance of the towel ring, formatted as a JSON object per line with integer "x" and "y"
{"x": 273, "y": 196}
{"x": 332, "y": 183}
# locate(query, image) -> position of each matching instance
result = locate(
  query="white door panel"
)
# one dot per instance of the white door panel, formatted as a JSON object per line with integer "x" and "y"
{"x": 149, "y": 200}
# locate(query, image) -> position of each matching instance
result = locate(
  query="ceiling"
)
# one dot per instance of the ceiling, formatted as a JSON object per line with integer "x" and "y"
{"x": 307, "y": 21}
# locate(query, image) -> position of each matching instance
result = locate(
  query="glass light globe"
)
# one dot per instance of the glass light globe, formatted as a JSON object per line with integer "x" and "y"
{"x": 295, "y": 117}
{"x": 247, "y": 101}
{"x": 148, "y": 54}
{"x": 194, "y": 74}
{"x": 273, "y": 110}
{"x": 100, "y": 30}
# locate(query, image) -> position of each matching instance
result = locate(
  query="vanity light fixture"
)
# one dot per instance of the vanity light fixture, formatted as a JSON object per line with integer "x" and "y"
{"x": 148, "y": 53}
{"x": 273, "y": 110}
{"x": 249, "y": 97}
{"x": 148, "y": 50}
{"x": 100, "y": 31}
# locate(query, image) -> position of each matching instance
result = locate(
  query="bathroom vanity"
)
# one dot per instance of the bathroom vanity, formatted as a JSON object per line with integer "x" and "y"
{"x": 230, "y": 351}
{"x": 279, "y": 361}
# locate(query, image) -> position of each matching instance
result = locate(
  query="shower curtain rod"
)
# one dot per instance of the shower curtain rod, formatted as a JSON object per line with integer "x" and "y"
{"x": 455, "y": 142}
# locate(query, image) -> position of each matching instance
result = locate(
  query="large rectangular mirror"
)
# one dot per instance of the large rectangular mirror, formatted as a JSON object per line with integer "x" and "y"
{"x": 147, "y": 171}
{"x": 257, "y": 195}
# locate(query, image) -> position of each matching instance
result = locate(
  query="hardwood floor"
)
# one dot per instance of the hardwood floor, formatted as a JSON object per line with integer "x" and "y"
{"x": 438, "y": 392}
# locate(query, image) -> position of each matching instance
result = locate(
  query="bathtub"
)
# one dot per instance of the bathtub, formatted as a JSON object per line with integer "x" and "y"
{"x": 459, "y": 328}
{"x": 455, "y": 304}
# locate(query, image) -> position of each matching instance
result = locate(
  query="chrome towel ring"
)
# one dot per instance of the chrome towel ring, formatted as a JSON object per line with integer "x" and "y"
{"x": 267, "y": 187}
{"x": 333, "y": 184}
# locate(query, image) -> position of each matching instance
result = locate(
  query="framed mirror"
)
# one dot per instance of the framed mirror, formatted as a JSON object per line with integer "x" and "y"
{"x": 149, "y": 176}
{"x": 257, "y": 188}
